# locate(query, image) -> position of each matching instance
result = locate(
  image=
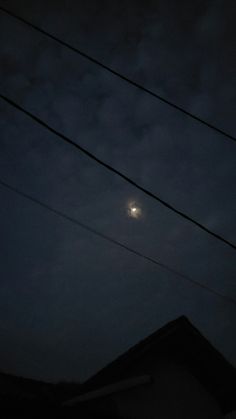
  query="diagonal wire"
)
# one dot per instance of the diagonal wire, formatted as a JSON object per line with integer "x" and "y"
{"x": 117, "y": 172}
{"x": 92, "y": 230}
{"x": 119, "y": 75}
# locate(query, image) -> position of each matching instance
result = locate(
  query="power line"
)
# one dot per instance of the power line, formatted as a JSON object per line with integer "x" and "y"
{"x": 113, "y": 241}
{"x": 119, "y": 75}
{"x": 117, "y": 172}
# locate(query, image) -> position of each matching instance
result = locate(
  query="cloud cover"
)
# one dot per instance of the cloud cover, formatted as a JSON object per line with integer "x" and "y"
{"x": 70, "y": 302}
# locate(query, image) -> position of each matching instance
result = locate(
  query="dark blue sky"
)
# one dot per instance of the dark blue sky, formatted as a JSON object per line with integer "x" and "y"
{"x": 71, "y": 302}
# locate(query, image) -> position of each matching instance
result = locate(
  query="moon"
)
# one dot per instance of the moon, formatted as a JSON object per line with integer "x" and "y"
{"x": 134, "y": 210}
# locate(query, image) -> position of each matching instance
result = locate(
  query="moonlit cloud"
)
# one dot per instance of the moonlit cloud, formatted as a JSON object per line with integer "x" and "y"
{"x": 134, "y": 210}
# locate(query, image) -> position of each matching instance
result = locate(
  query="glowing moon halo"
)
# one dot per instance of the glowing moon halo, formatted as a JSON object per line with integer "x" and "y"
{"x": 133, "y": 210}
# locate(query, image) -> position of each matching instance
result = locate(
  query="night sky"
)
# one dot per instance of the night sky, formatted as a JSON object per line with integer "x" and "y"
{"x": 70, "y": 302}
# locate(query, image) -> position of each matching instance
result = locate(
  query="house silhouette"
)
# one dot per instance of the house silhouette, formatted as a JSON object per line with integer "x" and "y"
{"x": 173, "y": 373}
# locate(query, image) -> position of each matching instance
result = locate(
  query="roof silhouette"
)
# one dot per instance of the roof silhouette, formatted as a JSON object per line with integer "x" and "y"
{"x": 183, "y": 343}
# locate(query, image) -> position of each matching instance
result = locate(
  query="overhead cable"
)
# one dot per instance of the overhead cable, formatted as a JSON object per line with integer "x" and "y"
{"x": 115, "y": 242}
{"x": 117, "y": 172}
{"x": 120, "y": 75}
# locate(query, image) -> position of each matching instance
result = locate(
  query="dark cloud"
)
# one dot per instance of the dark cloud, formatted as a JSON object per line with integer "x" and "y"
{"x": 70, "y": 301}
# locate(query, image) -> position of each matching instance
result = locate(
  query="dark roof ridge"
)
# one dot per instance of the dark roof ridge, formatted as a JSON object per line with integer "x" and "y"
{"x": 159, "y": 333}
{"x": 182, "y": 341}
